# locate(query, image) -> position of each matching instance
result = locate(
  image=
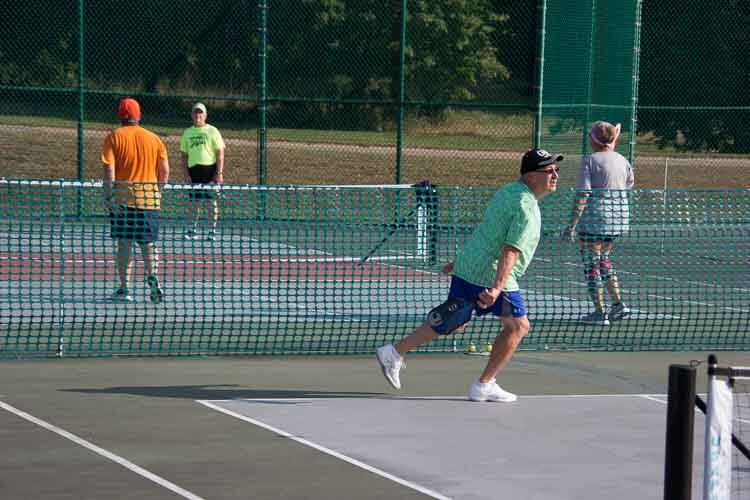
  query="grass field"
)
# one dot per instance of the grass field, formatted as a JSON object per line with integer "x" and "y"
{"x": 470, "y": 148}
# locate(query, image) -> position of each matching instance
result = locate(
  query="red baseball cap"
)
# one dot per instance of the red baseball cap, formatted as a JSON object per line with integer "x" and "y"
{"x": 129, "y": 109}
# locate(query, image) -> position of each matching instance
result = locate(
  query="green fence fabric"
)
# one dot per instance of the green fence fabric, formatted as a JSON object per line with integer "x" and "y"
{"x": 343, "y": 269}
{"x": 589, "y": 71}
{"x": 334, "y": 92}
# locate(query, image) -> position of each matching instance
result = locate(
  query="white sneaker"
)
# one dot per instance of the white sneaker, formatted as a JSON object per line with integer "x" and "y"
{"x": 211, "y": 236}
{"x": 619, "y": 311}
{"x": 391, "y": 362}
{"x": 596, "y": 318}
{"x": 191, "y": 234}
{"x": 490, "y": 392}
{"x": 121, "y": 295}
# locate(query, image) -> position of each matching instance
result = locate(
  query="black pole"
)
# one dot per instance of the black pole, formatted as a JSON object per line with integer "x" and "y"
{"x": 678, "y": 463}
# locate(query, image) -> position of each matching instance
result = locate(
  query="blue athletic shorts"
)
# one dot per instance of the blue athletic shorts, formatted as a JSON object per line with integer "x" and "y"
{"x": 507, "y": 304}
{"x": 134, "y": 224}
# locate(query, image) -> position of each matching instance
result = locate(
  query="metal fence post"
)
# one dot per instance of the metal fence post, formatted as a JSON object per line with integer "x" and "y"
{"x": 541, "y": 36}
{"x": 401, "y": 91}
{"x": 635, "y": 83}
{"x": 262, "y": 84}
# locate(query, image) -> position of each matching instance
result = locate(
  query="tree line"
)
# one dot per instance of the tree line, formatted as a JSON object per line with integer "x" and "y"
{"x": 337, "y": 60}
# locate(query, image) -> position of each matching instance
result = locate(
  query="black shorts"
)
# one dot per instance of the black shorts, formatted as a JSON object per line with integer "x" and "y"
{"x": 134, "y": 224}
{"x": 202, "y": 174}
{"x": 597, "y": 238}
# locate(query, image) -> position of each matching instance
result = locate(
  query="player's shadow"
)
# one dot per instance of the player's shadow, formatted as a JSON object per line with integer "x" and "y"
{"x": 222, "y": 391}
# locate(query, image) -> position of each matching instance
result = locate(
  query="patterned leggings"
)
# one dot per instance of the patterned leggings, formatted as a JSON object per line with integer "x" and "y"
{"x": 597, "y": 267}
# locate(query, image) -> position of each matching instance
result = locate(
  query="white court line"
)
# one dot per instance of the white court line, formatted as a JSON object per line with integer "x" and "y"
{"x": 303, "y": 260}
{"x": 653, "y": 398}
{"x": 101, "y": 451}
{"x": 440, "y": 398}
{"x": 659, "y": 297}
{"x": 665, "y": 278}
{"x": 269, "y": 260}
{"x": 328, "y": 451}
{"x": 744, "y": 421}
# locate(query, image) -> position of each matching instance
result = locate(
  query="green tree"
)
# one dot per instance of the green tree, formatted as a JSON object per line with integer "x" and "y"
{"x": 349, "y": 50}
{"x": 451, "y": 50}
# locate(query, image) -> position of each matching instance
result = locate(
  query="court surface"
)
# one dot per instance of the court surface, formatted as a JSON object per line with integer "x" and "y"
{"x": 586, "y": 425}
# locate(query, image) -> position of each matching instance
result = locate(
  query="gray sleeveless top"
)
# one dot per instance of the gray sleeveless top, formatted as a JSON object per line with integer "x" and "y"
{"x": 608, "y": 176}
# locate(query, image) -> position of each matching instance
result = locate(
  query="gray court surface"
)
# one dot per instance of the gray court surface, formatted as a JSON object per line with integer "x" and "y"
{"x": 329, "y": 427}
{"x": 541, "y": 447}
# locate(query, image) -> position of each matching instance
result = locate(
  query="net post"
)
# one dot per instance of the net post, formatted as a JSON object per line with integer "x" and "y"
{"x": 678, "y": 463}
{"x": 426, "y": 196}
{"x": 719, "y": 438}
{"x": 60, "y": 350}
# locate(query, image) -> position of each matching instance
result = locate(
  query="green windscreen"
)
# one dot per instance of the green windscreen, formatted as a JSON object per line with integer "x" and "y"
{"x": 590, "y": 59}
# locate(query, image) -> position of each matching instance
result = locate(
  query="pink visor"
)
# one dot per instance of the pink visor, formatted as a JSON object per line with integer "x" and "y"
{"x": 593, "y": 133}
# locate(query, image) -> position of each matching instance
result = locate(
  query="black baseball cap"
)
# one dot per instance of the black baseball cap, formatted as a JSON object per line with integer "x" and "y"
{"x": 534, "y": 159}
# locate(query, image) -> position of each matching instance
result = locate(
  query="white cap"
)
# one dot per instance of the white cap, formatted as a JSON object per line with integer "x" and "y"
{"x": 199, "y": 106}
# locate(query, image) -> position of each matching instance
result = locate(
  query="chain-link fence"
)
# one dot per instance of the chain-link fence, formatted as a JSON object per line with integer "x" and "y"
{"x": 371, "y": 92}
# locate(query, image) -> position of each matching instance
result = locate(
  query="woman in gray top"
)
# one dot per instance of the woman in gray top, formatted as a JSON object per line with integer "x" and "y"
{"x": 600, "y": 214}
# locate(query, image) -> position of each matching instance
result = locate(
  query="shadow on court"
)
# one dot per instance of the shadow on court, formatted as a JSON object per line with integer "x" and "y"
{"x": 233, "y": 391}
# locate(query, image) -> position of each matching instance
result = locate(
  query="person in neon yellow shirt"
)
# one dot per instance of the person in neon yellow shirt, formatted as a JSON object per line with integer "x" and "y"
{"x": 485, "y": 276}
{"x": 202, "y": 149}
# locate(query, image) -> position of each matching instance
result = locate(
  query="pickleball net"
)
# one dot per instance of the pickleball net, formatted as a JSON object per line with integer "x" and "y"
{"x": 344, "y": 269}
{"x": 725, "y": 472}
{"x": 741, "y": 429}
{"x": 286, "y": 269}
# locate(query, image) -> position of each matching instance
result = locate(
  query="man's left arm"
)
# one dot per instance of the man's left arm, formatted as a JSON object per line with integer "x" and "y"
{"x": 219, "y": 177}
{"x": 162, "y": 171}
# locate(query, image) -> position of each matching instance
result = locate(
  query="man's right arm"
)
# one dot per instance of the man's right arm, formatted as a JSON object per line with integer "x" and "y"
{"x": 505, "y": 263}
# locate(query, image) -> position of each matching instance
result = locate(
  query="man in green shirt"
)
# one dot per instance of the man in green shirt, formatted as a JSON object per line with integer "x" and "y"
{"x": 202, "y": 150}
{"x": 486, "y": 272}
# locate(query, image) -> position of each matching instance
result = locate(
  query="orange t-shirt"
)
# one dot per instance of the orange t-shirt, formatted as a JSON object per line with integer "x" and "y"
{"x": 134, "y": 152}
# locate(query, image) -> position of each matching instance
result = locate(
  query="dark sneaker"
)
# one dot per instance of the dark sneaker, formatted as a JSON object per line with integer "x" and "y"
{"x": 157, "y": 294}
{"x": 121, "y": 295}
{"x": 619, "y": 311}
{"x": 599, "y": 318}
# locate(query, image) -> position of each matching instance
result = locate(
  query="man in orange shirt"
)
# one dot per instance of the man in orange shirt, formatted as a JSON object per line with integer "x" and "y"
{"x": 135, "y": 166}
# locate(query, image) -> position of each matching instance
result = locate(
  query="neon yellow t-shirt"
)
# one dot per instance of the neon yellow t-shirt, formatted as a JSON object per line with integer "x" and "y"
{"x": 512, "y": 218}
{"x": 201, "y": 144}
